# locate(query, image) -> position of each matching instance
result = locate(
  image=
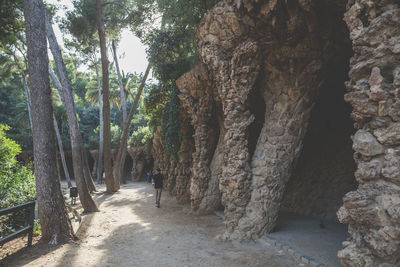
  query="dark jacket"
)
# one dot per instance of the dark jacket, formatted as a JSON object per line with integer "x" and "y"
{"x": 158, "y": 180}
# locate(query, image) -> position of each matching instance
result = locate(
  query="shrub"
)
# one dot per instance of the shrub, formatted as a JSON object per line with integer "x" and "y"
{"x": 17, "y": 183}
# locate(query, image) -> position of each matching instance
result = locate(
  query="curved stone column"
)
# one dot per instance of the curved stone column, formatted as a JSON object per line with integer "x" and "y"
{"x": 279, "y": 145}
{"x": 195, "y": 96}
{"x": 184, "y": 172}
{"x": 235, "y": 62}
{"x": 279, "y": 49}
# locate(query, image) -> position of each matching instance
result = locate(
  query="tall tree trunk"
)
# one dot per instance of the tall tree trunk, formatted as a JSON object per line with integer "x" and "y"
{"x": 101, "y": 143}
{"x": 76, "y": 138}
{"x": 123, "y": 107}
{"x": 124, "y": 137}
{"x": 28, "y": 100}
{"x": 112, "y": 183}
{"x": 53, "y": 215}
{"x": 60, "y": 148}
{"x": 88, "y": 175}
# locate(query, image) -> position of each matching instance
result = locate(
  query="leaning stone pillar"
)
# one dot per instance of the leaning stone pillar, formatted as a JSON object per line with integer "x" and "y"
{"x": 234, "y": 62}
{"x": 183, "y": 177}
{"x": 373, "y": 210}
{"x": 195, "y": 96}
{"x": 246, "y": 51}
{"x": 289, "y": 105}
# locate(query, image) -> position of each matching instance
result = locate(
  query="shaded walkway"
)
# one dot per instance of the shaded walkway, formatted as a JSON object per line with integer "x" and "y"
{"x": 318, "y": 239}
{"x": 130, "y": 231}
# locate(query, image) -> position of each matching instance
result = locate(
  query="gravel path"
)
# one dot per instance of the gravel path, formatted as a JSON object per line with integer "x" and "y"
{"x": 130, "y": 231}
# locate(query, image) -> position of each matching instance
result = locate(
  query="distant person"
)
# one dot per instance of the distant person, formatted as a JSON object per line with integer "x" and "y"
{"x": 149, "y": 177}
{"x": 158, "y": 186}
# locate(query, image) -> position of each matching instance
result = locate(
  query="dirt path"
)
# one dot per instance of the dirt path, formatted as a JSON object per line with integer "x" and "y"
{"x": 130, "y": 231}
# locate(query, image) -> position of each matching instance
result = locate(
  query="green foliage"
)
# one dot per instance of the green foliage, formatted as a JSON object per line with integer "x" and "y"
{"x": 12, "y": 22}
{"x": 81, "y": 24}
{"x": 172, "y": 52}
{"x": 116, "y": 133}
{"x": 13, "y": 109}
{"x": 140, "y": 137}
{"x": 37, "y": 228}
{"x": 154, "y": 104}
{"x": 167, "y": 27}
{"x": 88, "y": 123}
{"x": 171, "y": 125}
{"x": 17, "y": 183}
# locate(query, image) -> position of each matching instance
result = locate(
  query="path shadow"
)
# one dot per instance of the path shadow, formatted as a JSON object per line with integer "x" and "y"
{"x": 318, "y": 238}
{"x": 173, "y": 236}
{"x": 140, "y": 234}
{"x": 28, "y": 254}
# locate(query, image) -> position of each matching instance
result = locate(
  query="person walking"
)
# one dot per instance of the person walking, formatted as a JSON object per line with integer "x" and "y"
{"x": 149, "y": 177}
{"x": 158, "y": 181}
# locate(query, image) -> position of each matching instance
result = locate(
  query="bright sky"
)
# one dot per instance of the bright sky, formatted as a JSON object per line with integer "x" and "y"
{"x": 130, "y": 51}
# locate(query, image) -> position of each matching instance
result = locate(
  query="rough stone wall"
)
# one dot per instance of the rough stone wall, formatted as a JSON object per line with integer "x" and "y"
{"x": 197, "y": 100}
{"x": 373, "y": 210}
{"x": 161, "y": 159}
{"x": 184, "y": 169}
{"x": 177, "y": 174}
{"x": 283, "y": 50}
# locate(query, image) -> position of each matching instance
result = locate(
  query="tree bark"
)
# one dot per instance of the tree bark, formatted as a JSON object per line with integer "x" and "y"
{"x": 124, "y": 137}
{"x": 53, "y": 216}
{"x": 60, "y": 148}
{"x": 88, "y": 175}
{"x": 28, "y": 100}
{"x": 101, "y": 143}
{"x": 112, "y": 183}
{"x": 123, "y": 107}
{"x": 76, "y": 138}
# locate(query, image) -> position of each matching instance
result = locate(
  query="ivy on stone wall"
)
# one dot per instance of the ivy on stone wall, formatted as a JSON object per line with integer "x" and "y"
{"x": 171, "y": 125}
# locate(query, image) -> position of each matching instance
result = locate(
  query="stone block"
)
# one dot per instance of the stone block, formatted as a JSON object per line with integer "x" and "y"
{"x": 366, "y": 144}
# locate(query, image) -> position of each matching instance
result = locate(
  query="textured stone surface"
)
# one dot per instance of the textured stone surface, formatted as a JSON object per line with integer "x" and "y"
{"x": 197, "y": 99}
{"x": 372, "y": 210}
{"x": 366, "y": 144}
{"x": 177, "y": 174}
{"x": 248, "y": 48}
{"x": 279, "y": 55}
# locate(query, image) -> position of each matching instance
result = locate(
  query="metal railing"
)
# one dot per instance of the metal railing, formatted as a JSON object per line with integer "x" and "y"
{"x": 29, "y": 208}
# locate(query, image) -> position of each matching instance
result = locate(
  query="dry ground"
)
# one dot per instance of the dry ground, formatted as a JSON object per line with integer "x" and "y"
{"x": 130, "y": 231}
